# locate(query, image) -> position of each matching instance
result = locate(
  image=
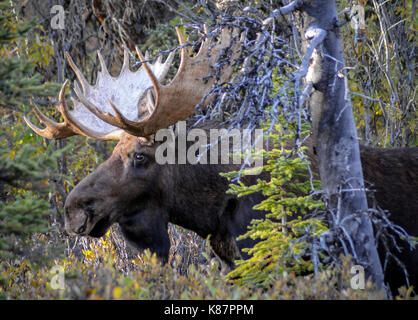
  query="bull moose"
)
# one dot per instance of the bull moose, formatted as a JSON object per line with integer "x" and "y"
{"x": 132, "y": 189}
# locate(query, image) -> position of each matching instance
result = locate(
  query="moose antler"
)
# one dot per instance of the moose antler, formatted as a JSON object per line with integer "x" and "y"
{"x": 92, "y": 115}
{"x": 69, "y": 127}
{"x": 126, "y": 89}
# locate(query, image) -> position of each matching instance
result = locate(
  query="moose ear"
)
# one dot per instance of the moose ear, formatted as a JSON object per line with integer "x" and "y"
{"x": 151, "y": 138}
{"x": 147, "y": 141}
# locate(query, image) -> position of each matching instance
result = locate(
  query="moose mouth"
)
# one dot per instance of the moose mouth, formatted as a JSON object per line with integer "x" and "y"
{"x": 85, "y": 223}
{"x": 100, "y": 228}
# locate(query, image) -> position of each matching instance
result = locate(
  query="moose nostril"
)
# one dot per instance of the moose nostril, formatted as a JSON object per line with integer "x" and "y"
{"x": 81, "y": 229}
{"x": 89, "y": 211}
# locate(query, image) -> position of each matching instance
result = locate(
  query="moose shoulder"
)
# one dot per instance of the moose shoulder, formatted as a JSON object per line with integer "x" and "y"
{"x": 143, "y": 196}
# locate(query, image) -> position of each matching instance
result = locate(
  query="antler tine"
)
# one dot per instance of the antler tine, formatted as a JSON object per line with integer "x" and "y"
{"x": 167, "y": 64}
{"x": 151, "y": 74}
{"x": 53, "y": 129}
{"x": 150, "y": 101}
{"x": 125, "y": 65}
{"x": 205, "y": 44}
{"x": 102, "y": 64}
{"x": 77, "y": 72}
{"x": 183, "y": 51}
{"x": 69, "y": 127}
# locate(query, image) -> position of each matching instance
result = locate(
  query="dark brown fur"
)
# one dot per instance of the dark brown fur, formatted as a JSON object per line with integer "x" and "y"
{"x": 144, "y": 198}
{"x": 393, "y": 174}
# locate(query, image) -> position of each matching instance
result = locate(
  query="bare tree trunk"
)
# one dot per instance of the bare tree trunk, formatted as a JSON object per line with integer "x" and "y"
{"x": 335, "y": 131}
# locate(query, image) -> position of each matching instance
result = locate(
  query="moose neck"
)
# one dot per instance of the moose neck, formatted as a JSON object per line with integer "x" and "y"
{"x": 195, "y": 196}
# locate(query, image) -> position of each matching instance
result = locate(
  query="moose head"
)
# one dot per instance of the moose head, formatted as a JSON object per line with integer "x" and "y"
{"x": 131, "y": 188}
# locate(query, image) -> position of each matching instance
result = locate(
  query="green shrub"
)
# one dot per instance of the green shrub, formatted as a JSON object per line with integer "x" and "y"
{"x": 286, "y": 232}
{"x": 24, "y": 167}
{"x": 97, "y": 275}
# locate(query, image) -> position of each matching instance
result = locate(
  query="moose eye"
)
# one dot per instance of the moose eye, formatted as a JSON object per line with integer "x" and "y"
{"x": 139, "y": 158}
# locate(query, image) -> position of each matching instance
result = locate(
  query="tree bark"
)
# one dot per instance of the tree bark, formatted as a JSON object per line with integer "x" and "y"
{"x": 334, "y": 130}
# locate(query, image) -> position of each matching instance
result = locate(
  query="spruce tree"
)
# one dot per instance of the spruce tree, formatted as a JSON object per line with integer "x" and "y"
{"x": 24, "y": 162}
